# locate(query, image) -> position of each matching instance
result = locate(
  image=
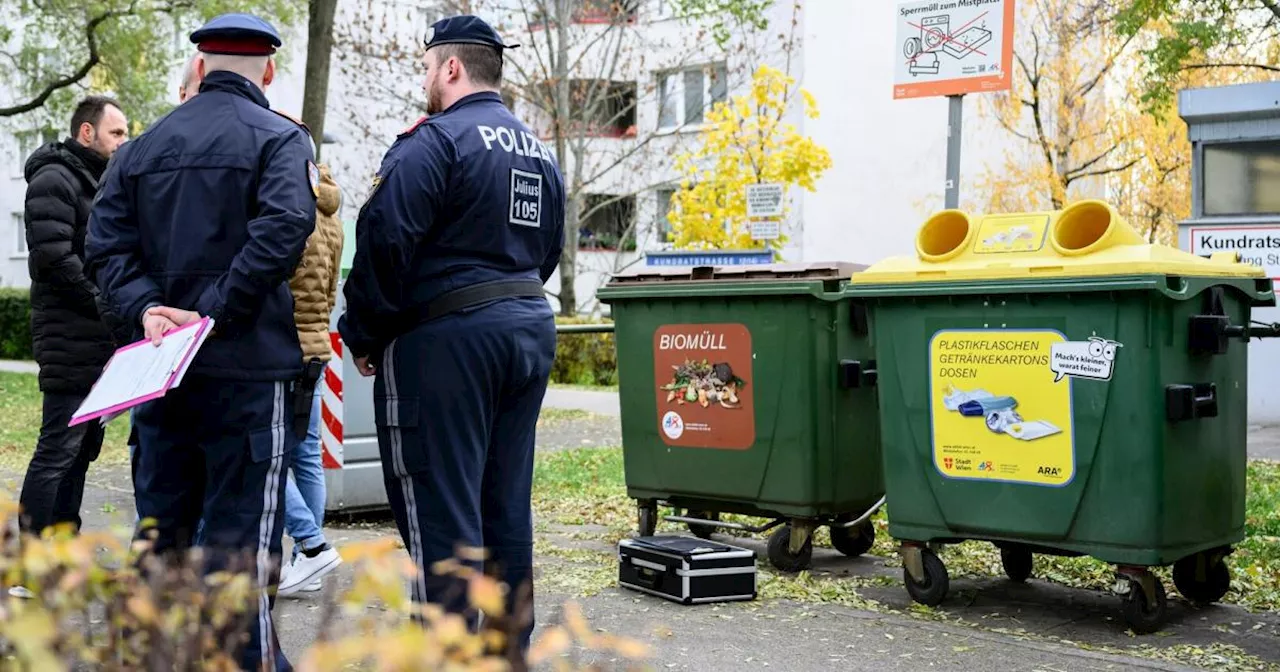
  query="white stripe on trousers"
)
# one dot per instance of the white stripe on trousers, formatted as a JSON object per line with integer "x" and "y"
{"x": 266, "y": 526}
{"x": 418, "y": 591}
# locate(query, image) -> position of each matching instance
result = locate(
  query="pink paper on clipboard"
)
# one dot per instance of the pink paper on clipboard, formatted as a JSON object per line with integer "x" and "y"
{"x": 140, "y": 372}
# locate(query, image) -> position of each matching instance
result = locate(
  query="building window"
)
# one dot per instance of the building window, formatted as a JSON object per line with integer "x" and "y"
{"x": 432, "y": 11}
{"x": 608, "y": 224}
{"x": 685, "y": 95}
{"x": 661, "y": 225}
{"x": 28, "y": 142}
{"x": 19, "y": 235}
{"x": 589, "y": 11}
{"x": 605, "y": 11}
{"x": 1242, "y": 178}
{"x": 597, "y": 108}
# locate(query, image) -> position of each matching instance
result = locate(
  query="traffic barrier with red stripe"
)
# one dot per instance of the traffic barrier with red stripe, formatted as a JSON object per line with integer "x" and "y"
{"x": 331, "y": 408}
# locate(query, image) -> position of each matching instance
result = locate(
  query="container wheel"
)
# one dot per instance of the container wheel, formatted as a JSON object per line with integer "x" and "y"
{"x": 780, "y": 552}
{"x": 702, "y": 531}
{"x": 1216, "y": 582}
{"x": 933, "y": 590}
{"x": 1017, "y": 563}
{"x": 1143, "y": 613}
{"x": 647, "y": 515}
{"x": 853, "y": 541}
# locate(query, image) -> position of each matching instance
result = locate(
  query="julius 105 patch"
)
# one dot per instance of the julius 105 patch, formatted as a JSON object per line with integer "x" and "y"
{"x": 525, "y": 200}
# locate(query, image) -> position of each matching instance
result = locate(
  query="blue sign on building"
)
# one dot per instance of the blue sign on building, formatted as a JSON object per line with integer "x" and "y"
{"x": 709, "y": 258}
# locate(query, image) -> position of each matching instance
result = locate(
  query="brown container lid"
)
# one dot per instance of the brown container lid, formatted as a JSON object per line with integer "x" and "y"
{"x": 815, "y": 270}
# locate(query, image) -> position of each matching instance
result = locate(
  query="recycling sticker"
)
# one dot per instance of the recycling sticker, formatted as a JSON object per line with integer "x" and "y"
{"x": 1001, "y": 404}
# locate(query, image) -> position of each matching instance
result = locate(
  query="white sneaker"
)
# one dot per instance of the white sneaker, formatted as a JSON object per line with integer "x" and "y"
{"x": 21, "y": 592}
{"x": 313, "y": 587}
{"x": 305, "y": 570}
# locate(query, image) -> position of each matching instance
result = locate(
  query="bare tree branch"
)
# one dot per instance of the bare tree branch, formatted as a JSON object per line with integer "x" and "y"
{"x": 93, "y": 58}
{"x": 1105, "y": 171}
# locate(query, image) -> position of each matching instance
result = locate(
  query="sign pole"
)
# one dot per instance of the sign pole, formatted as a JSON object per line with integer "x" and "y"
{"x": 955, "y": 121}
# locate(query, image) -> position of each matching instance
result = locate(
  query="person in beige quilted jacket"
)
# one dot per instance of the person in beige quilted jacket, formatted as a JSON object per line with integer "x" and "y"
{"x": 315, "y": 289}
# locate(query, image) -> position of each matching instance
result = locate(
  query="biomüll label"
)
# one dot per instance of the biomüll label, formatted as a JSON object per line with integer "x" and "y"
{"x": 703, "y": 374}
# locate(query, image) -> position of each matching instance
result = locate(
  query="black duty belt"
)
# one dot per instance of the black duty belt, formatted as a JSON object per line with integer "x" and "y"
{"x": 474, "y": 295}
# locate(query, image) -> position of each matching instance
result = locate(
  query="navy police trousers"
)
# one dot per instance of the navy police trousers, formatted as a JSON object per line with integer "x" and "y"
{"x": 219, "y": 448}
{"x": 456, "y": 402}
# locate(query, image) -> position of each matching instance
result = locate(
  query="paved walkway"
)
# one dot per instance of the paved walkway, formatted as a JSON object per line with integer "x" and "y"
{"x": 12, "y": 366}
{"x": 1012, "y": 626}
{"x": 600, "y": 403}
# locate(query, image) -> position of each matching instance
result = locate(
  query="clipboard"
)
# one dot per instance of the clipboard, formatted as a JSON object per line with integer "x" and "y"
{"x": 140, "y": 372}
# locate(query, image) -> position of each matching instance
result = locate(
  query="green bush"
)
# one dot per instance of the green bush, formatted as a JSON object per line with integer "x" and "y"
{"x": 584, "y": 359}
{"x": 15, "y": 324}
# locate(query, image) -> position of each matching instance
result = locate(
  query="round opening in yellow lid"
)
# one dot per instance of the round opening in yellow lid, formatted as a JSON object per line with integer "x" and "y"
{"x": 1090, "y": 226}
{"x": 943, "y": 235}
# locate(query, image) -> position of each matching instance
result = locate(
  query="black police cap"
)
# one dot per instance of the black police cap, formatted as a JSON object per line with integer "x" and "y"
{"x": 465, "y": 29}
{"x": 238, "y": 34}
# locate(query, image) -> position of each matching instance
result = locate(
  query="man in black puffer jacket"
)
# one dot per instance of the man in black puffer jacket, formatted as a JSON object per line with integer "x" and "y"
{"x": 70, "y": 341}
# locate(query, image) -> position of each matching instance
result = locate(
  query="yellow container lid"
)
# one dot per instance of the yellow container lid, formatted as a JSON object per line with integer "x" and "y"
{"x": 1085, "y": 239}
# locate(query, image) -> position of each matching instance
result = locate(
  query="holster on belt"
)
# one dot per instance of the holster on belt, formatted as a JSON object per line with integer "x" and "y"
{"x": 304, "y": 391}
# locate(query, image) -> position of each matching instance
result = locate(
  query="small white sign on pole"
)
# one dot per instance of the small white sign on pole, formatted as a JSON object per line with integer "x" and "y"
{"x": 764, "y": 200}
{"x": 765, "y": 229}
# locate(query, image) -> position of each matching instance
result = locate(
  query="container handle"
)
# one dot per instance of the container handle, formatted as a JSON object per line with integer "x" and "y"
{"x": 1191, "y": 402}
{"x": 645, "y": 574}
{"x": 855, "y": 374}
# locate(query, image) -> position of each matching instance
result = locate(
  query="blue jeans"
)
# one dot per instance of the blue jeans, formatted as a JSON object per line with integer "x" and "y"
{"x": 304, "y": 492}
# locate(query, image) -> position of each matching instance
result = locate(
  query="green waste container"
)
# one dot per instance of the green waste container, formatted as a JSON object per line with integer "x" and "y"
{"x": 749, "y": 390}
{"x": 1052, "y": 384}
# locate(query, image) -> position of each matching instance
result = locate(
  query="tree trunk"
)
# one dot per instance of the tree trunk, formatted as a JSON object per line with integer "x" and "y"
{"x": 569, "y": 260}
{"x": 315, "y": 92}
{"x": 560, "y": 79}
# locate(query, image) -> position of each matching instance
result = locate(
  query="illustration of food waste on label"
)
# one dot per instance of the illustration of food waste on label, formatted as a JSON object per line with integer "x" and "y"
{"x": 702, "y": 374}
{"x": 1001, "y": 402}
{"x": 704, "y": 383}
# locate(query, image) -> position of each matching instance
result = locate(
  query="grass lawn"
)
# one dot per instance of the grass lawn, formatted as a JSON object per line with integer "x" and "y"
{"x": 20, "y": 406}
{"x": 587, "y": 487}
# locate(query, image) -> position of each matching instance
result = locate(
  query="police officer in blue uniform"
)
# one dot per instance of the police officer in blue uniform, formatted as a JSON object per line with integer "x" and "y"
{"x": 445, "y": 303}
{"x": 207, "y": 214}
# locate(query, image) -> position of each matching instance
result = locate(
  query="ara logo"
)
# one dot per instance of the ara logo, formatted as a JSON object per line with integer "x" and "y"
{"x": 1049, "y": 471}
{"x": 672, "y": 425}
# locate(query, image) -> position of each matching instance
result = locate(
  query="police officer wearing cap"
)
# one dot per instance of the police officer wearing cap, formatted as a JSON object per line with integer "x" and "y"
{"x": 445, "y": 303}
{"x": 207, "y": 214}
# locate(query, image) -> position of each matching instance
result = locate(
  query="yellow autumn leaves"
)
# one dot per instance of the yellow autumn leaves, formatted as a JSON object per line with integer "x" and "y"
{"x": 173, "y": 616}
{"x": 386, "y": 639}
{"x": 744, "y": 140}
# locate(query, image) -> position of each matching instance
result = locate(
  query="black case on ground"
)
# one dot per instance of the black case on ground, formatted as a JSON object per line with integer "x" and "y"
{"x": 686, "y": 569}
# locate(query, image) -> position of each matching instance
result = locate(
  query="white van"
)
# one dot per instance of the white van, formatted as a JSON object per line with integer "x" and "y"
{"x": 348, "y": 436}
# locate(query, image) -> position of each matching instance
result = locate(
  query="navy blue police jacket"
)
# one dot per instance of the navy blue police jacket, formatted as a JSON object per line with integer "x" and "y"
{"x": 209, "y": 210}
{"x": 470, "y": 195}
